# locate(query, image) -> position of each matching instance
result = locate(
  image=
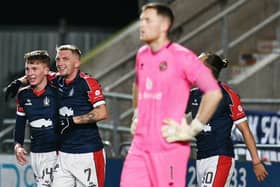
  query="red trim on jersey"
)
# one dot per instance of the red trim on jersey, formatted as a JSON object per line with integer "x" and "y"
{"x": 52, "y": 75}
{"x": 99, "y": 167}
{"x": 40, "y": 92}
{"x": 222, "y": 172}
{"x": 95, "y": 92}
{"x": 236, "y": 108}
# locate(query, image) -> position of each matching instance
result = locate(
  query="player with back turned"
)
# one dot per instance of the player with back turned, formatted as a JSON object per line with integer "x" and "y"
{"x": 215, "y": 156}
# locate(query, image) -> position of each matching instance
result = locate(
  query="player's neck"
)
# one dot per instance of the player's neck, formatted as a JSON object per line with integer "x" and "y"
{"x": 41, "y": 85}
{"x": 72, "y": 76}
{"x": 158, "y": 44}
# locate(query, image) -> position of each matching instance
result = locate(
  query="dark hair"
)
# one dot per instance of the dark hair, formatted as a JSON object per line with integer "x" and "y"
{"x": 40, "y": 55}
{"x": 162, "y": 9}
{"x": 70, "y": 47}
{"x": 214, "y": 62}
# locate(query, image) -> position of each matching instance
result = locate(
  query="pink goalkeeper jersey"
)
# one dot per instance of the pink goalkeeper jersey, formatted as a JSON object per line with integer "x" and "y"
{"x": 164, "y": 79}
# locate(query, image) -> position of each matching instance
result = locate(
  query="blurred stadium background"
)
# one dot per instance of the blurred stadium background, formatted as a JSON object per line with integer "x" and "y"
{"x": 247, "y": 32}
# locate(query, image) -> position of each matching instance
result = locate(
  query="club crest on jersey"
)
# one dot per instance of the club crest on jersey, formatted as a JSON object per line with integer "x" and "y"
{"x": 163, "y": 66}
{"x": 46, "y": 101}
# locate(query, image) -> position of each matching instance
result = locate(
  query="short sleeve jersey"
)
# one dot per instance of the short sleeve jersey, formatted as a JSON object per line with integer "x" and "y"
{"x": 215, "y": 139}
{"x": 164, "y": 79}
{"x": 79, "y": 97}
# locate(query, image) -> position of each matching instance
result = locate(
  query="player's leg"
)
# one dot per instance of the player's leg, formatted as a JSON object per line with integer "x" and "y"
{"x": 135, "y": 172}
{"x": 43, "y": 165}
{"x": 62, "y": 177}
{"x": 89, "y": 168}
{"x": 169, "y": 167}
{"x": 216, "y": 170}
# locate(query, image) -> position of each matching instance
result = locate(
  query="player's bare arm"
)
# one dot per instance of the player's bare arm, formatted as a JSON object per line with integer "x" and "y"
{"x": 97, "y": 114}
{"x": 249, "y": 140}
{"x": 209, "y": 103}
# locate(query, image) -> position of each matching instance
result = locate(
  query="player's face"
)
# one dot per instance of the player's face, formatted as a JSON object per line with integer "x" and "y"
{"x": 150, "y": 25}
{"x": 67, "y": 63}
{"x": 36, "y": 74}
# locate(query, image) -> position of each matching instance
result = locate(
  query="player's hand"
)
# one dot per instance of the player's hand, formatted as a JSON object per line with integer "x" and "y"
{"x": 133, "y": 125}
{"x": 173, "y": 131}
{"x": 21, "y": 155}
{"x": 260, "y": 171}
{"x": 65, "y": 124}
{"x": 12, "y": 89}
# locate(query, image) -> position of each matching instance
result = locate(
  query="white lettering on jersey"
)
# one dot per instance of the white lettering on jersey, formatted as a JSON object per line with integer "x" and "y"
{"x": 39, "y": 123}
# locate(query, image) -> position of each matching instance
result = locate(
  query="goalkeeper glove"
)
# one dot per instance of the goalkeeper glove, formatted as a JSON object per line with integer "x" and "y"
{"x": 173, "y": 131}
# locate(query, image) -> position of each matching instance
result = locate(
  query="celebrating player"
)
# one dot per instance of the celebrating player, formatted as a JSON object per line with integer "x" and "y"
{"x": 36, "y": 103}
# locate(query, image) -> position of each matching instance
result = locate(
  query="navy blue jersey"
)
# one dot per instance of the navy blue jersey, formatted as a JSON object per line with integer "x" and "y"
{"x": 215, "y": 139}
{"x": 79, "y": 97}
{"x": 39, "y": 109}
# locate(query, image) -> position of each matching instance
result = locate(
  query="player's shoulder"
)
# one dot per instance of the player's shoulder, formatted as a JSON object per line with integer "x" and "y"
{"x": 143, "y": 49}
{"x": 24, "y": 89}
{"x": 183, "y": 54}
{"x": 88, "y": 78}
{"x": 226, "y": 87}
{"x": 195, "y": 89}
{"x": 180, "y": 49}
{"x": 228, "y": 90}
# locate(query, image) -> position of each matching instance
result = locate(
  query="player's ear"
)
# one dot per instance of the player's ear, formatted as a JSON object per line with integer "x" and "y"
{"x": 165, "y": 24}
{"x": 46, "y": 70}
{"x": 77, "y": 63}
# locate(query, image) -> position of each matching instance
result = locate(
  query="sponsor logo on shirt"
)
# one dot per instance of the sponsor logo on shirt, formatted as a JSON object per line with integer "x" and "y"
{"x": 195, "y": 103}
{"x": 97, "y": 92}
{"x": 65, "y": 111}
{"x": 28, "y": 102}
{"x": 149, "y": 83}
